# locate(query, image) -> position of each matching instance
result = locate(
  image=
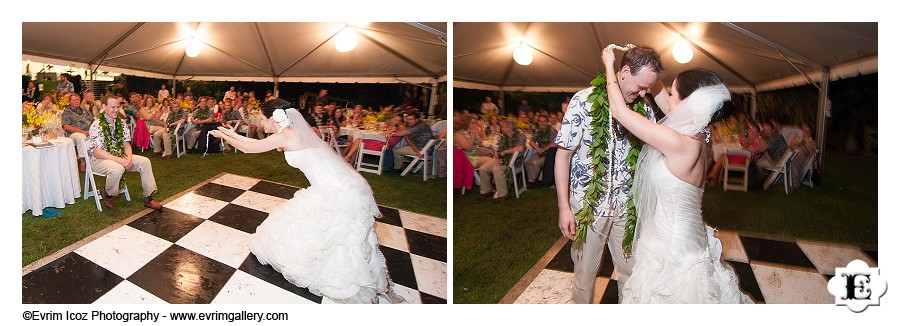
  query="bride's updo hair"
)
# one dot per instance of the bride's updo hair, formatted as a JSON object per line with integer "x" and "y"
{"x": 691, "y": 80}
{"x": 694, "y": 79}
{"x": 274, "y": 104}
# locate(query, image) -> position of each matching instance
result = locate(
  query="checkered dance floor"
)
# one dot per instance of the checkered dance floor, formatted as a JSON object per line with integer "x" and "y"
{"x": 196, "y": 251}
{"x": 769, "y": 271}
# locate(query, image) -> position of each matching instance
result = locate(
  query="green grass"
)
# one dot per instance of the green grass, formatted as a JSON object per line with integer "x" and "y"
{"x": 43, "y": 236}
{"x": 496, "y": 244}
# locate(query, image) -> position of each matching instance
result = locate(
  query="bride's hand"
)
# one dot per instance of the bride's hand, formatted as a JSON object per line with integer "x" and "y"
{"x": 609, "y": 58}
{"x": 216, "y": 133}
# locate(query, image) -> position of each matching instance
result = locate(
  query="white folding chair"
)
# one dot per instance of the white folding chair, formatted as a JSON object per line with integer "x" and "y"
{"x": 807, "y": 171}
{"x": 332, "y": 141}
{"x": 180, "y": 141}
{"x": 743, "y": 167}
{"x": 361, "y": 165}
{"x": 781, "y": 169}
{"x": 90, "y": 186}
{"x": 427, "y": 155}
{"x": 517, "y": 167}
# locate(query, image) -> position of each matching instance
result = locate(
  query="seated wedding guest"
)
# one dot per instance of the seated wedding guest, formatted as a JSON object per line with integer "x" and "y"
{"x": 511, "y": 140}
{"x": 466, "y": 137}
{"x": 90, "y": 103}
{"x": 187, "y": 92}
{"x": 230, "y": 117}
{"x": 31, "y": 93}
{"x": 806, "y": 150}
{"x": 493, "y": 127}
{"x": 110, "y": 154}
{"x": 204, "y": 121}
{"x": 356, "y": 119}
{"x": 133, "y": 105}
{"x": 396, "y": 126}
{"x": 776, "y": 147}
{"x": 141, "y": 137}
{"x": 417, "y": 136}
{"x": 46, "y": 105}
{"x": 329, "y": 109}
{"x": 177, "y": 115}
{"x": 318, "y": 120}
{"x": 76, "y": 122}
{"x": 269, "y": 96}
{"x": 541, "y": 142}
{"x": 156, "y": 119}
{"x": 338, "y": 119}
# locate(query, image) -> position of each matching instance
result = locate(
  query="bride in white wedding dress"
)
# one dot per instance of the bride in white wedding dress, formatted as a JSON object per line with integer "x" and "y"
{"x": 324, "y": 238}
{"x": 677, "y": 258}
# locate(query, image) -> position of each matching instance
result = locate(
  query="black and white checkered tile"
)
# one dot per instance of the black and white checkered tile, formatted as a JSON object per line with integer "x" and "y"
{"x": 769, "y": 271}
{"x": 196, "y": 251}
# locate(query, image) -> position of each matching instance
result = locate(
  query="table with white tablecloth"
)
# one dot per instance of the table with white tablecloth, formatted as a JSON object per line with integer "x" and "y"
{"x": 49, "y": 176}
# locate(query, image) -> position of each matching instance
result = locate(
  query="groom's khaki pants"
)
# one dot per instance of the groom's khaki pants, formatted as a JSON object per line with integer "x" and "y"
{"x": 587, "y": 256}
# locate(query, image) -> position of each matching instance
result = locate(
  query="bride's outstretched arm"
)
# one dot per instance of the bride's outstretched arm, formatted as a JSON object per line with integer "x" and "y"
{"x": 255, "y": 146}
{"x": 663, "y": 138}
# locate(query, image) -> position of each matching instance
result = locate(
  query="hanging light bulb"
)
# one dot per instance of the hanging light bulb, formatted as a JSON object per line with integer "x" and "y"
{"x": 193, "y": 49}
{"x": 682, "y": 51}
{"x": 346, "y": 40}
{"x": 522, "y": 55}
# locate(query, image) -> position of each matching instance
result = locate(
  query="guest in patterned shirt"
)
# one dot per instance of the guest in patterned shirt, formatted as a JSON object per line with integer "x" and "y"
{"x": 176, "y": 116}
{"x": 511, "y": 140}
{"x": 76, "y": 121}
{"x": 541, "y": 142}
{"x": 417, "y": 136}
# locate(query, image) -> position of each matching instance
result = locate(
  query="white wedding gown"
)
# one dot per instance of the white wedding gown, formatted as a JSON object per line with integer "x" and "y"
{"x": 677, "y": 258}
{"x": 324, "y": 238}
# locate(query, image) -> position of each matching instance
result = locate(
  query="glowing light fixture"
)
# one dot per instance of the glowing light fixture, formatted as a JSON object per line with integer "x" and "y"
{"x": 682, "y": 51}
{"x": 346, "y": 40}
{"x": 193, "y": 49}
{"x": 522, "y": 55}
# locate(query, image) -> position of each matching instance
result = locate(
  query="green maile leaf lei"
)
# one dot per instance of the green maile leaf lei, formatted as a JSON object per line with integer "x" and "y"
{"x": 113, "y": 140}
{"x": 601, "y": 132}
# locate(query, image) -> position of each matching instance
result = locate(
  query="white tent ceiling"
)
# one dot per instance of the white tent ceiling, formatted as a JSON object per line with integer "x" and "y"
{"x": 387, "y": 52}
{"x": 746, "y": 55}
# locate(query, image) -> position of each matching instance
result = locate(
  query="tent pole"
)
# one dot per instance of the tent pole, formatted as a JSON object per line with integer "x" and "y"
{"x": 433, "y": 97}
{"x": 753, "y": 103}
{"x": 275, "y": 91}
{"x": 174, "y": 93}
{"x": 821, "y": 122}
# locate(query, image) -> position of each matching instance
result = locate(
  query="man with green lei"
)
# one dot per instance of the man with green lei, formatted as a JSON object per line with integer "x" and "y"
{"x": 541, "y": 141}
{"x": 201, "y": 116}
{"x": 587, "y": 185}
{"x": 511, "y": 141}
{"x": 110, "y": 154}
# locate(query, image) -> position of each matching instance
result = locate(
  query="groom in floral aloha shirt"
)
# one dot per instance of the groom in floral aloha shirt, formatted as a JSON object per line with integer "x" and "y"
{"x": 638, "y": 72}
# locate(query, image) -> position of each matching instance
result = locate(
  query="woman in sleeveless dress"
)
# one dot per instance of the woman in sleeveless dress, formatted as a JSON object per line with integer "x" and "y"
{"x": 324, "y": 238}
{"x": 677, "y": 257}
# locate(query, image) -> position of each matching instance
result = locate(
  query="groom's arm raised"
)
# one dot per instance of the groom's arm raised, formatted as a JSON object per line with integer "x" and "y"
{"x": 561, "y": 171}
